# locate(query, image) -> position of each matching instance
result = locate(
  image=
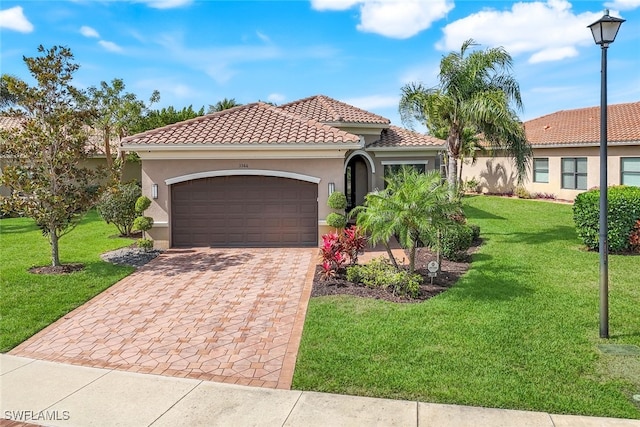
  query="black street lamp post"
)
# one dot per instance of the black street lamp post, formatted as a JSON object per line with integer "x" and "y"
{"x": 604, "y": 33}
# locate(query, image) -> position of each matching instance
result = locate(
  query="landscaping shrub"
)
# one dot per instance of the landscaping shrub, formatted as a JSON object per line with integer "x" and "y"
{"x": 523, "y": 193}
{"x": 623, "y": 213}
{"x": 379, "y": 273}
{"x": 143, "y": 223}
{"x": 475, "y": 232}
{"x": 146, "y": 244}
{"x": 455, "y": 241}
{"x": 337, "y": 200}
{"x": 117, "y": 206}
{"x": 634, "y": 238}
{"x": 338, "y": 248}
{"x": 336, "y": 220}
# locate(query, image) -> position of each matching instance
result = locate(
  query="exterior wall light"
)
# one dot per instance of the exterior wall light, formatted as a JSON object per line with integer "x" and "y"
{"x": 154, "y": 191}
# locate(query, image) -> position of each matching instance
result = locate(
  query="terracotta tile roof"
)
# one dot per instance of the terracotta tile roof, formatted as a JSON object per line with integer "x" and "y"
{"x": 95, "y": 141}
{"x": 396, "y": 136}
{"x": 256, "y": 124}
{"x": 328, "y": 110}
{"x": 8, "y": 122}
{"x": 582, "y": 126}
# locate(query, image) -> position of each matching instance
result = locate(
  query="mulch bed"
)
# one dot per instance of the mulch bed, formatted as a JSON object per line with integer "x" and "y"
{"x": 60, "y": 269}
{"x": 450, "y": 272}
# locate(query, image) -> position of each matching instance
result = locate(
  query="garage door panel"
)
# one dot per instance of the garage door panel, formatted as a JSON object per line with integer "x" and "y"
{"x": 244, "y": 211}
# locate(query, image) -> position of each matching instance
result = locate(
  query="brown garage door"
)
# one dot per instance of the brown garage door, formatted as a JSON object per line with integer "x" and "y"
{"x": 249, "y": 211}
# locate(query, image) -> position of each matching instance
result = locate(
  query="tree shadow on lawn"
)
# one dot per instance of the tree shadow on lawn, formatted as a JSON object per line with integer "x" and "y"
{"x": 16, "y": 228}
{"x": 560, "y": 233}
{"x": 483, "y": 284}
{"x": 180, "y": 261}
{"x": 475, "y": 213}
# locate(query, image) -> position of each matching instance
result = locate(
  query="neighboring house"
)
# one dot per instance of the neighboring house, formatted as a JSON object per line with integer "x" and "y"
{"x": 95, "y": 145}
{"x": 566, "y": 153}
{"x": 260, "y": 175}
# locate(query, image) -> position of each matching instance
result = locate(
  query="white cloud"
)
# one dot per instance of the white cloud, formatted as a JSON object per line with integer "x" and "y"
{"x": 333, "y": 4}
{"x": 166, "y": 4}
{"x": 265, "y": 38}
{"x": 223, "y": 63}
{"x": 373, "y": 102}
{"x": 553, "y": 54}
{"x": 399, "y": 19}
{"x": 89, "y": 32}
{"x": 276, "y": 98}
{"x": 14, "y": 19}
{"x": 110, "y": 46}
{"x": 623, "y": 4}
{"x": 530, "y": 28}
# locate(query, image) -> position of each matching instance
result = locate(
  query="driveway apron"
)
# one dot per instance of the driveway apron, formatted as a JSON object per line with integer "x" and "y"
{"x": 228, "y": 315}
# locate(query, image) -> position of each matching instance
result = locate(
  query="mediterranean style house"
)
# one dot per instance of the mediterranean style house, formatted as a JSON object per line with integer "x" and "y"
{"x": 566, "y": 153}
{"x": 260, "y": 175}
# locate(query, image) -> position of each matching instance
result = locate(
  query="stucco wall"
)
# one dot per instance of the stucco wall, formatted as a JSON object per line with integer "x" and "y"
{"x": 498, "y": 174}
{"x": 157, "y": 171}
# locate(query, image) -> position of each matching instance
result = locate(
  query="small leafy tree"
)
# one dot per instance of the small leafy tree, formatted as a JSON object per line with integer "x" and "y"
{"x": 337, "y": 200}
{"x": 115, "y": 114}
{"x": 117, "y": 206}
{"x": 46, "y": 152}
{"x": 143, "y": 223}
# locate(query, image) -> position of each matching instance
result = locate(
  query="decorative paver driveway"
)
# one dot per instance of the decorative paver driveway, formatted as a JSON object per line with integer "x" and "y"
{"x": 230, "y": 315}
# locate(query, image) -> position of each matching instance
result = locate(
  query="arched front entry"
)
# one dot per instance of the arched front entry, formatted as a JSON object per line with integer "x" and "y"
{"x": 357, "y": 178}
{"x": 244, "y": 211}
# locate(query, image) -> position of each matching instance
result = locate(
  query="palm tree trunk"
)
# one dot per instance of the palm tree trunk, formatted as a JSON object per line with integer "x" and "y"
{"x": 412, "y": 257}
{"x": 391, "y": 257}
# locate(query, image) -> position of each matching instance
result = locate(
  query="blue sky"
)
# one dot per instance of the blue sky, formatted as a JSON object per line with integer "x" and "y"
{"x": 358, "y": 51}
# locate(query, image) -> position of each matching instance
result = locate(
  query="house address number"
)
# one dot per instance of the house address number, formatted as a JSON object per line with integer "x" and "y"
{"x": 244, "y": 166}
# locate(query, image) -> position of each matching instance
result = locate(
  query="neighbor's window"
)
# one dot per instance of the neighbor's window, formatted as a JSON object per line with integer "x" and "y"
{"x": 630, "y": 171}
{"x": 574, "y": 173}
{"x": 541, "y": 170}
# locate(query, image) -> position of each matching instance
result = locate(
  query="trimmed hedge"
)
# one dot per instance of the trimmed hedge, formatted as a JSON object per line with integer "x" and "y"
{"x": 623, "y": 212}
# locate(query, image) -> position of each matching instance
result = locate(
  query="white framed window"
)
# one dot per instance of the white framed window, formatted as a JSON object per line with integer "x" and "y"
{"x": 574, "y": 173}
{"x": 630, "y": 171}
{"x": 541, "y": 169}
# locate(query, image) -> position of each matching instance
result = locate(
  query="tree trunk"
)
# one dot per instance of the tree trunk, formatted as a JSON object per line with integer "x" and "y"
{"x": 452, "y": 172}
{"x": 391, "y": 257}
{"x": 412, "y": 258}
{"x": 55, "y": 256}
{"x": 107, "y": 148}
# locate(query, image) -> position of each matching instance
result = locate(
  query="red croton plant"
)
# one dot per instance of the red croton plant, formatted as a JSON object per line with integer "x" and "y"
{"x": 340, "y": 249}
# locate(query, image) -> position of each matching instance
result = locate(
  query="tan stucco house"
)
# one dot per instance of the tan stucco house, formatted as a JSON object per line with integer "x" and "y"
{"x": 566, "y": 156}
{"x": 260, "y": 175}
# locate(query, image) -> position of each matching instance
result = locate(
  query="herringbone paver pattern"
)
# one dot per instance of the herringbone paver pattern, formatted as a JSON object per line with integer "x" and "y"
{"x": 231, "y": 315}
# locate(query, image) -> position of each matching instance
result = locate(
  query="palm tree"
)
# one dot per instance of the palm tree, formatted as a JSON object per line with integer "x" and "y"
{"x": 222, "y": 105}
{"x": 476, "y": 91}
{"x": 412, "y": 205}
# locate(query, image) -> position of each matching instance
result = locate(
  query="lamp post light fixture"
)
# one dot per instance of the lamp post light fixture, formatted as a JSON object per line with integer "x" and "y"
{"x": 604, "y": 32}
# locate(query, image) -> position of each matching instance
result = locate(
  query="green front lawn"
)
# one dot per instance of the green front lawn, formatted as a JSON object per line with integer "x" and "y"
{"x": 29, "y": 302}
{"x": 520, "y": 329}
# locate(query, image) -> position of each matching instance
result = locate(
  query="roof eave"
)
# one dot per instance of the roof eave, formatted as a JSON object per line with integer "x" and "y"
{"x": 408, "y": 148}
{"x": 241, "y": 147}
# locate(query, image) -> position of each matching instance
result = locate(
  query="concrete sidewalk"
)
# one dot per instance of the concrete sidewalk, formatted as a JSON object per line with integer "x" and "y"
{"x": 50, "y": 393}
